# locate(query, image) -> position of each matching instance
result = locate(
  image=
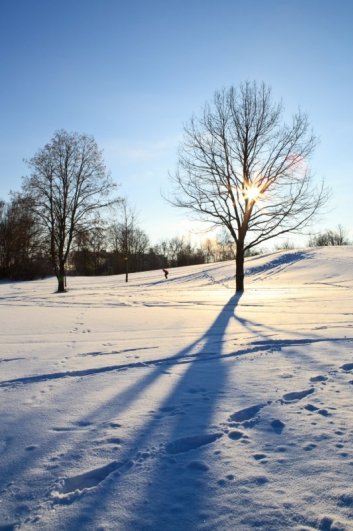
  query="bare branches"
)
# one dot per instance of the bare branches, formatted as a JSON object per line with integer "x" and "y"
{"x": 69, "y": 184}
{"x": 239, "y": 141}
{"x": 240, "y": 145}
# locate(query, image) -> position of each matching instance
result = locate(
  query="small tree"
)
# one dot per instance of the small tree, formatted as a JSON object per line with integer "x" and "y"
{"x": 241, "y": 168}
{"x": 287, "y": 245}
{"x": 175, "y": 247}
{"x": 127, "y": 239}
{"x": 209, "y": 249}
{"x": 68, "y": 187}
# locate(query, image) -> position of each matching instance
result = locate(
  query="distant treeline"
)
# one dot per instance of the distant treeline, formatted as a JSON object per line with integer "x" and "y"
{"x": 108, "y": 248}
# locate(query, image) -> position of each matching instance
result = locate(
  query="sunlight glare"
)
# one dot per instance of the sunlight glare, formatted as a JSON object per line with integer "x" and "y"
{"x": 252, "y": 192}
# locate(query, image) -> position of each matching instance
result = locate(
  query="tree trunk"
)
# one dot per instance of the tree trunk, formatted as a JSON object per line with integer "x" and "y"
{"x": 126, "y": 269}
{"x": 61, "y": 279}
{"x": 239, "y": 267}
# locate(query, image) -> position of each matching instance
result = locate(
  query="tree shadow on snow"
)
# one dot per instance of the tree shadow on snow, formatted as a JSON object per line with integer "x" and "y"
{"x": 174, "y": 447}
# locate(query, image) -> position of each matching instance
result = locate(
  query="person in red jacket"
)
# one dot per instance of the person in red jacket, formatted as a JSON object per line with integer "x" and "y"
{"x": 166, "y": 273}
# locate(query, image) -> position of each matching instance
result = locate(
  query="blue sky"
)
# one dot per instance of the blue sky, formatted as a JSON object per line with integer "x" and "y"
{"x": 131, "y": 73}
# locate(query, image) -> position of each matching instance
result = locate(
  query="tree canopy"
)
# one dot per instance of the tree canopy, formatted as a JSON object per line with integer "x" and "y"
{"x": 242, "y": 167}
{"x": 68, "y": 186}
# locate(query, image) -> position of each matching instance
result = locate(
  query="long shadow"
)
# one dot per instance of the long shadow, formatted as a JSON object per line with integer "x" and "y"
{"x": 182, "y": 424}
{"x": 195, "y": 396}
{"x": 210, "y": 342}
{"x": 278, "y": 263}
{"x": 110, "y": 409}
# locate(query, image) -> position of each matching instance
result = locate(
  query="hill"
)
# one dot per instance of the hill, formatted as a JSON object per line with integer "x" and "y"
{"x": 175, "y": 404}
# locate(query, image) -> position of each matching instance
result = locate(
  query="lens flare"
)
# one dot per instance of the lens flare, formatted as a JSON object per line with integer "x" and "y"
{"x": 252, "y": 192}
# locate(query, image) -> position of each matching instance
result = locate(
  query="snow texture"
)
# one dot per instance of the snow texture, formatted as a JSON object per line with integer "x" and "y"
{"x": 176, "y": 404}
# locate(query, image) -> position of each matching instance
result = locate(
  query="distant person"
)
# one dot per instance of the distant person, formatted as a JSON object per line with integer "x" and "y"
{"x": 166, "y": 273}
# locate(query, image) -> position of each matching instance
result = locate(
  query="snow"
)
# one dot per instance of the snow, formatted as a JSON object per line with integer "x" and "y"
{"x": 175, "y": 404}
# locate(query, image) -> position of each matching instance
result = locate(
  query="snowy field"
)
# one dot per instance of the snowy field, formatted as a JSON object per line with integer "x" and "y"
{"x": 175, "y": 405}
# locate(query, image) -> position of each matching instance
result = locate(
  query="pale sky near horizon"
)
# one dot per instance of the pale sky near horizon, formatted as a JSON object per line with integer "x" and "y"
{"x": 131, "y": 73}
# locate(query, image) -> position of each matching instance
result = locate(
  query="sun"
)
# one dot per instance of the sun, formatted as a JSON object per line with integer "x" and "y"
{"x": 252, "y": 192}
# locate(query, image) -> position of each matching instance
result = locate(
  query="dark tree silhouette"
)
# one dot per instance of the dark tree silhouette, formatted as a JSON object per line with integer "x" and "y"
{"x": 23, "y": 253}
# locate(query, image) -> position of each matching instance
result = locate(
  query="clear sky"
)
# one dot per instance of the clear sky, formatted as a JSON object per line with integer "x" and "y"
{"x": 132, "y": 72}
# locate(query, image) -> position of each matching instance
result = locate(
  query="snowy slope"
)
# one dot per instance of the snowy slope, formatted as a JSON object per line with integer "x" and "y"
{"x": 176, "y": 405}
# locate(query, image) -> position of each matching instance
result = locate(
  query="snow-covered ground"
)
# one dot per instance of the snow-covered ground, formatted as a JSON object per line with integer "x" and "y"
{"x": 176, "y": 405}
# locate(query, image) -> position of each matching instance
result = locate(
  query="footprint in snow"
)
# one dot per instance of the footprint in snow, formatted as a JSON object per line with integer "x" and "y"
{"x": 277, "y": 426}
{"x": 246, "y": 414}
{"x": 319, "y": 378}
{"x": 81, "y": 482}
{"x": 83, "y": 423}
{"x": 311, "y": 407}
{"x": 258, "y": 481}
{"x": 142, "y": 456}
{"x": 114, "y": 425}
{"x": 345, "y": 500}
{"x": 62, "y": 428}
{"x": 235, "y": 435}
{"x": 224, "y": 482}
{"x": 309, "y": 447}
{"x": 259, "y": 457}
{"x": 77, "y": 426}
{"x": 297, "y": 395}
{"x": 113, "y": 440}
{"x": 347, "y": 367}
{"x": 186, "y": 444}
{"x": 324, "y": 412}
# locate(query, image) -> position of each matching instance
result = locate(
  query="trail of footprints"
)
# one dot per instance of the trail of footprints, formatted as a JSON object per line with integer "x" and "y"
{"x": 80, "y": 325}
{"x": 235, "y": 428}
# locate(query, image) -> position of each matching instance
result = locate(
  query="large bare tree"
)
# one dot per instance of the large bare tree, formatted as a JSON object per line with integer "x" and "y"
{"x": 241, "y": 167}
{"x": 68, "y": 186}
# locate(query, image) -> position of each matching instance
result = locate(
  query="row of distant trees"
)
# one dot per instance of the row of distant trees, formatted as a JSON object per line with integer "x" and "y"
{"x": 338, "y": 236}
{"x": 114, "y": 246}
{"x": 326, "y": 238}
{"x": 118, "y": 246}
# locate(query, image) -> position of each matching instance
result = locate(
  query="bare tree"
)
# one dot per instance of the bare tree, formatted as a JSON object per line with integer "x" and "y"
{"x": 287, "y": 245}
{"x": 209, "y": 248}
{"x": 162, "y": 249}
{"x": 125, "y": 237}
{"x": 225, "y": 245}
{"x": 140, "y": 244}
{"x": 242, "y": 168}
{"x": 69, "y": 184}
{"x": 175, "y": 246}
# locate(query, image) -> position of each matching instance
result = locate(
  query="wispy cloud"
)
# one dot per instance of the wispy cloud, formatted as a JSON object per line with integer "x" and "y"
{"x": 139, "y": 150}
